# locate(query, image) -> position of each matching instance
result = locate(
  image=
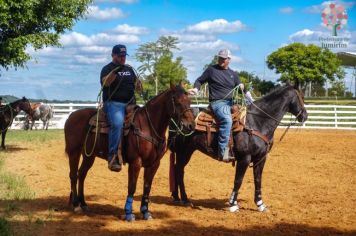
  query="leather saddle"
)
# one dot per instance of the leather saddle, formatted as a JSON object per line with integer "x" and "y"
{"x": 206, "y": 122}
{"x": 99, "y": 121}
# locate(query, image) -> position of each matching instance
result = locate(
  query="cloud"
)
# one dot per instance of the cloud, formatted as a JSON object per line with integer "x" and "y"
{"x": 317, "y": 9}
{"x": 216, "y": 26}
{"x": 78, "y": 39}
{"x": 127, "y": 29}
{"x": 107, "y": 14}
{"x": 286, "y": 10}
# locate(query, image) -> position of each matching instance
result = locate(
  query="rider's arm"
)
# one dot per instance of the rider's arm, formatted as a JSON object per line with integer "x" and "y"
{"x": 108, "y": 78}
{"x": 201, "y": 80}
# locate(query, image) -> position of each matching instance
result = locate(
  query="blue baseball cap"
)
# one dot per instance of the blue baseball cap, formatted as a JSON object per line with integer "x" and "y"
{"x": 119, "y": 50}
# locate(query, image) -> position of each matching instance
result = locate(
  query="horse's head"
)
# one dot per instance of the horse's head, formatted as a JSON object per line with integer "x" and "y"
{"x": 182, "y": 112}
{"x": 25, "y": 105}
{"x": 296, "y": 106}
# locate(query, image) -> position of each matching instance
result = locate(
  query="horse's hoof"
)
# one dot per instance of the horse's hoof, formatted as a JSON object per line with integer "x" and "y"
{"x": 78, "y": 209}
{"x": 234, "y": 208}
{"x": 187, "y": 203}
{"x": 263, "y": 208}
{"x": 147, "y": 216}
{"x": 130, "y": 217}
{"x": 85, "y": 208}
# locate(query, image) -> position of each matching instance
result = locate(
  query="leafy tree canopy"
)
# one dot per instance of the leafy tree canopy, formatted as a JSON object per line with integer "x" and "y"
{"x": 158, "y": 66}
{"x": 302, "y": 63}
{"x": 34, "y": 22}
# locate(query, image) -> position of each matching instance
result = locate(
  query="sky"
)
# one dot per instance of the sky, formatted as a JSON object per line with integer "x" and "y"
{"x": 250, "y": 29}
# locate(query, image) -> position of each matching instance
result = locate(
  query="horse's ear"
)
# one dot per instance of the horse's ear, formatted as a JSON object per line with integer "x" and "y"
{"x": 24, "y": 98}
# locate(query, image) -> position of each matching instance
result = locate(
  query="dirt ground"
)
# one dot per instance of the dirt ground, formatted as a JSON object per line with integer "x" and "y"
{"x": 308, "y": 185}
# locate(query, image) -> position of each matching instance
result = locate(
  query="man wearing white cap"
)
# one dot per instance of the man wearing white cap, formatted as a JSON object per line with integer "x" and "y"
{"x": 221, "y": 81}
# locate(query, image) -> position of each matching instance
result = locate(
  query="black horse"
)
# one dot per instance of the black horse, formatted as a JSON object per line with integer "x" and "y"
{"x": 250, "y": 145}
{"x": 8, "y": 113}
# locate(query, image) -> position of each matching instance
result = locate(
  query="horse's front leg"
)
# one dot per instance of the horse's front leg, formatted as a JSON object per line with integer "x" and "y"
{"x": 241, "y": 168}
{"x": 148, "y": 178}
{"x": 183, "y": 157}
{"x": 257, "y": 174}
{"x": 134, "y": 171}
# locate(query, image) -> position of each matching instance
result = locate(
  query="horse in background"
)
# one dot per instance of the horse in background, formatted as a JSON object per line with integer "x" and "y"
{"x": 143, "y": 145}
{"x": 41, "y": 111}
{"x": 251, "y": 145}
{"x": 7, "y": 114}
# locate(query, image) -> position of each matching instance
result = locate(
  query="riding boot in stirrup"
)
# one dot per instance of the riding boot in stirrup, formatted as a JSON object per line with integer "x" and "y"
{"x": 227, "y": 157}
{"x": 114, "y": 164}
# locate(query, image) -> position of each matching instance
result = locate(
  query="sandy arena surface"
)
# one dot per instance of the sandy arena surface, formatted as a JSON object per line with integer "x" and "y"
{"x": 308, "y": 185}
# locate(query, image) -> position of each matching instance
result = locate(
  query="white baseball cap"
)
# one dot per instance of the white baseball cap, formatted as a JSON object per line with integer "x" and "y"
{"x": 224, "y": 53}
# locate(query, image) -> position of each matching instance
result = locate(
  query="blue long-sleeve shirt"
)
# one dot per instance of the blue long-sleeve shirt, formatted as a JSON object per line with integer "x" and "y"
{"x": 220, "y": 81}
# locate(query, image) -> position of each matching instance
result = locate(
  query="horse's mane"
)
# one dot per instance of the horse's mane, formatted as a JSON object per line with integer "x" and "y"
{"x": 276, "y": 92}
{"x": 179, "y": 89}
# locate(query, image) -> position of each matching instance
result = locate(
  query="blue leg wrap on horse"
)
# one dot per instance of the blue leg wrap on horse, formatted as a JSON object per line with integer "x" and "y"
{"x": 144, "y": 205}
{"x": 128, "y": 205}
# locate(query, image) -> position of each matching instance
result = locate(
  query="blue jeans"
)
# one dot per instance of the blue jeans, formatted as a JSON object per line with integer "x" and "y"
{"x": 115, "y": 113}
{"x": 222, "y": 112}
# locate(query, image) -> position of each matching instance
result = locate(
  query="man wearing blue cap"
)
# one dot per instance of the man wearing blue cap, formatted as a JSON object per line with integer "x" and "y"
{"x": 221, "y": 81}
{"x": 119, "y": 81}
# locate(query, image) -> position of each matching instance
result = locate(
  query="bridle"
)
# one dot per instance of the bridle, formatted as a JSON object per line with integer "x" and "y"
{"x": 158, "y": 140}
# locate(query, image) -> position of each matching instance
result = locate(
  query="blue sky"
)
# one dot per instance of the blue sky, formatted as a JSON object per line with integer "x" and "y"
{"x": 250, "y": 29}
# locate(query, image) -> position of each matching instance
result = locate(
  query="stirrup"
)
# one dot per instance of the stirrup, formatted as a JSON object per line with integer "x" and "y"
{"x": 226, "y": 157}
{"x": 114, "y": 164}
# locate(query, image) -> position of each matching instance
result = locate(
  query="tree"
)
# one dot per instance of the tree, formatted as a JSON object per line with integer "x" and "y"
{"x": 254, "y": 83}
{"x": 305, "y": 63}
{"x": 169, "y": 70}
{"x": 157, "y": 65}
{"x": 34, "y": 22}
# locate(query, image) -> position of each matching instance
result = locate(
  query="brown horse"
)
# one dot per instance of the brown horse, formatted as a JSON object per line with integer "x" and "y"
{"x": 8, "y": 113}
{"x": 143, "y": 146}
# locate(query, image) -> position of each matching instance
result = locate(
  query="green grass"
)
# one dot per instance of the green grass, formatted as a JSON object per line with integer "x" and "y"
{"x": 5, "y": 228}
{"x": 33, "y": 136}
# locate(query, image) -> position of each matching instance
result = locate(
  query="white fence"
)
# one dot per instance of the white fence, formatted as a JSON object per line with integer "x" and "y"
{"x": 320, "y": 116}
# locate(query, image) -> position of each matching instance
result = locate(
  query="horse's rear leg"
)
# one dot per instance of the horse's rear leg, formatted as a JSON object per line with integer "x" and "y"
{"x": 134, "y": 171}
{"x": 74, "y": 158}
{"x": 3, "y": 135}
{"x": 257, "y": 174}
{"x": 241, "y": 168}
{"x": 148, "y": 178}
{"x": 87, "y": 163}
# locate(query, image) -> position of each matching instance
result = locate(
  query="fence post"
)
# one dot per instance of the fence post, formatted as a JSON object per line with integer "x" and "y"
{"x": 335, "y": 111}
{"x": 70, "y": 108}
